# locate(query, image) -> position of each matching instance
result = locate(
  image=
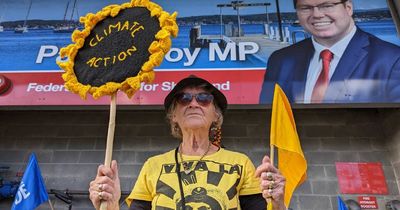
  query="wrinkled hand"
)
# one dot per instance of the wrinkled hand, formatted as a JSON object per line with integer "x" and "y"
{"x": 106, "y": 187}
{"x": 272, "y": 184}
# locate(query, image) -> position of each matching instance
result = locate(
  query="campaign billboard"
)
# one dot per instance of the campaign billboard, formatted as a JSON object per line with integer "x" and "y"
{"x": 226, "y": 42}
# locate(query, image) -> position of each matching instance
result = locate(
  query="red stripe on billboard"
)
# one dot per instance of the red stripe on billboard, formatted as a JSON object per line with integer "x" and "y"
{"x": 46, "y": 88}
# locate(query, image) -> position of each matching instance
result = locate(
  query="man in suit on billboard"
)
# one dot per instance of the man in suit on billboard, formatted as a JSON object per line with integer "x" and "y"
{"x": 340, "y": 63}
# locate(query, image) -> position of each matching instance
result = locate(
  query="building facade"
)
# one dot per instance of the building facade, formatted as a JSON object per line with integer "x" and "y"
{"x": 70, "y": 144}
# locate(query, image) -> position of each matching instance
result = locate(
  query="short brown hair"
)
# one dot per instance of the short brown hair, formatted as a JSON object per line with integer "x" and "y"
{"x": 295, "y": 2}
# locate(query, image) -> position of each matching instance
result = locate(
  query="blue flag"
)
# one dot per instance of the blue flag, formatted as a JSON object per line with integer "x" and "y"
{"x": 31, "y": 192}
{"x": 341, "y": 204}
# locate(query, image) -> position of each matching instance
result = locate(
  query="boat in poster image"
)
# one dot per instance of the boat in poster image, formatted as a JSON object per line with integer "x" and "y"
{"x": 24, "y": 27}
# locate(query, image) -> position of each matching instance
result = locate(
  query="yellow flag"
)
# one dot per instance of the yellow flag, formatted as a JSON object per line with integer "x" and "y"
{"x": 291, "y": 161}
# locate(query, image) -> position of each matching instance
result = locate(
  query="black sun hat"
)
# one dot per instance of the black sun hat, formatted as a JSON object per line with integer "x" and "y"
{"x": 194, "y": 81}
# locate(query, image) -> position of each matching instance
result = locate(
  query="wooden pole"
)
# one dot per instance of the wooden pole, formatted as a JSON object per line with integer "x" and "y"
{"x": 110, "y": 138}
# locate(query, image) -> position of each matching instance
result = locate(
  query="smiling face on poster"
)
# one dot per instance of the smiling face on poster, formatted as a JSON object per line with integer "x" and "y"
{"x": 225, "y": 42}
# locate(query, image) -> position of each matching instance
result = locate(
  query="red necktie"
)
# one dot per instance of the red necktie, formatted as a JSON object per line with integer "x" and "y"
{"x": 323, "y": 80}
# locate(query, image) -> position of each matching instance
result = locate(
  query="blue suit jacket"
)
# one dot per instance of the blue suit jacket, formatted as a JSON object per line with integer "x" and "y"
{"x": 369, "y": 71}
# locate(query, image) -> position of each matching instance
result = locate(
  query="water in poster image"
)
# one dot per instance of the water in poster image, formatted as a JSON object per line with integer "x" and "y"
{"x": 20, "y": 51}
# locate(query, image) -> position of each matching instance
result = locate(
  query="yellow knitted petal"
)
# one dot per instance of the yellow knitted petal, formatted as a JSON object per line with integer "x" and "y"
{"x": 82, "y": 19}
{"x": 80, "y": 43}
{"x": 64, "y": 76}
{"x": 168, "y": 21}
{"x": 63, "y": 52}
{"x": 148, "y": 66}
{"x": 73, "y": 53}
{"x": 134, "y": 82}
{"x": 107, "y": 89}
{"x": 83, "y": 91}
{"x": 138, "y": 3}
{"x": 173, "y": 26}
{"x": 157, "y": 58}
{"x": 76, "y": 35}
{"x": 66, "y": 50}
{"x": 105, "y": 13}
{"x": 70, "y": 50}
{"x": 89, "y": 17}
{"x": 92, "y": 90}
{"x": 133, "y": 3}
{"x": 154, "y": 47}
{"x": 115, "y": 11}
{"x": 129, "y": 93}
{"x": 155, "y": 12}
{"x": 162, "y": 34}
{"x": 69, "y": 86}
{"x": 174, "y": 15}
{"x": 163, "y": 18}
{"x": 173, "y": 30}
{"x": 125, "y": 5}
{"x": 143, "y": 3}
{"x": 94, "y": 21}
{"x": 165, "y": 45}
{"x": 148, "y": 77}
{"x": 70, "y": 67}
{"x": 62, "y": 65}
{"x": 109, "y": 8}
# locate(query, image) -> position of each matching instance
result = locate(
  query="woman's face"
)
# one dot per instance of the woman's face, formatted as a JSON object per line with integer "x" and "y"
{"x": 194, "y": 114}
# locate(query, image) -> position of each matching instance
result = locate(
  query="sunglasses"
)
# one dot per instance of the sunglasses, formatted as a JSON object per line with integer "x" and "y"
{"x": 204, "y": 99}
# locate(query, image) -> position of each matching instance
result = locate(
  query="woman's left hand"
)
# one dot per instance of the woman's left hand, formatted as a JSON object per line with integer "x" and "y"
{"x": 272, "y": 184}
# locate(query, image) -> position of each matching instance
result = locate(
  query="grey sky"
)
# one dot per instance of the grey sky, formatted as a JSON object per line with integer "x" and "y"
{"x": 54, "y": 9}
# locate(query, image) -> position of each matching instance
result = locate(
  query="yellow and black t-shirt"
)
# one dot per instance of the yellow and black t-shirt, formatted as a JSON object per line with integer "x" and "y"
{"x": 216, "y": 182}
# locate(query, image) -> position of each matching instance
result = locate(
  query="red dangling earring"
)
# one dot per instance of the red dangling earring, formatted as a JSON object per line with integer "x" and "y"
{"x": 216, "y": 133}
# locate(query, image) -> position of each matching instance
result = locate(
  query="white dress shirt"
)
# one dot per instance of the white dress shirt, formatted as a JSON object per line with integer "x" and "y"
{"x": 315, "y": 67}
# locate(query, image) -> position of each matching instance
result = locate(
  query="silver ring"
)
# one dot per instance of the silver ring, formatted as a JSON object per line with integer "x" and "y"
{"x": 271, "y": 185}
{"x": 269, "y": 176}
{"x": 100, "y": 194}
{"x": 100, "y": 186}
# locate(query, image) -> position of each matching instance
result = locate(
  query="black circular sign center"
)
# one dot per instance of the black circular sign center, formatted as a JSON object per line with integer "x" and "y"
{"x": 116, "y": 48}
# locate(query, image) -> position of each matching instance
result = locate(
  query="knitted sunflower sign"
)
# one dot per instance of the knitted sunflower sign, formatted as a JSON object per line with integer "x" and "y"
{"x": 118, "y": 48}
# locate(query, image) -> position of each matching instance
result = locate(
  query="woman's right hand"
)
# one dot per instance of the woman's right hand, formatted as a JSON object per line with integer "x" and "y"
{"x": 106, "y": 187}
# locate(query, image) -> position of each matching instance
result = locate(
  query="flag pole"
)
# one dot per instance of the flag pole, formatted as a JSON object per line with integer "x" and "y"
{"x": 272, "y": 154}
{"x": 51, "y": 205}
{"x": 110, "y": 138}
{"x": 271, "y": 158}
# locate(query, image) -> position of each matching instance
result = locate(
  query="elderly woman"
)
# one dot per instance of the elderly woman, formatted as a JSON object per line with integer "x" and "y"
{"x": 199, "y": 173}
